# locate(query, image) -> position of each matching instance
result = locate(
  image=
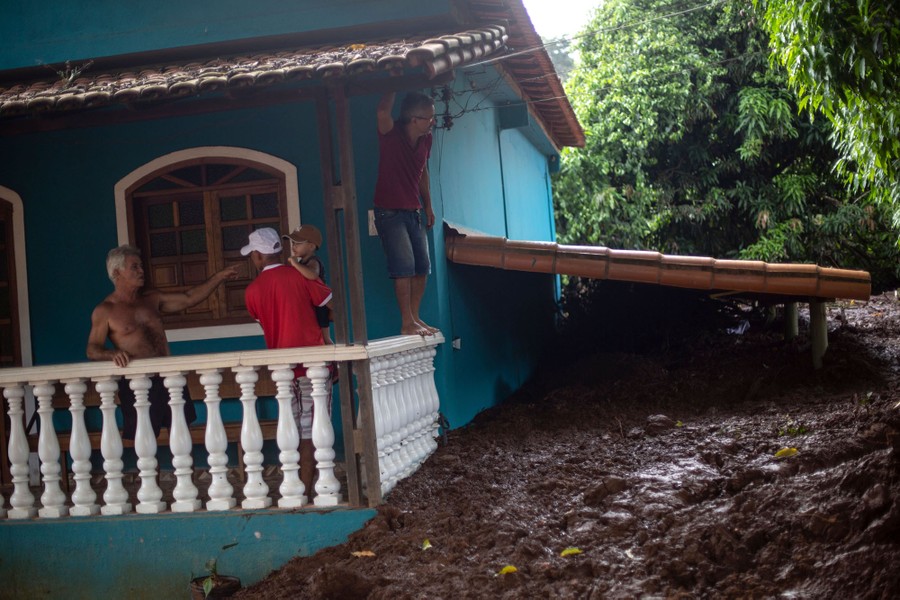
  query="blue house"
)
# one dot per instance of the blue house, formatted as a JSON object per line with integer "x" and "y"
{"x": 179, "y": 128}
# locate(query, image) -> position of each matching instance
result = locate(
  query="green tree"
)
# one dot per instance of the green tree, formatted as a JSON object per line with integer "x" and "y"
{"x": 695, "y": 145}
{"x": 560, "y": 51}
{"x": 843, "y": 60}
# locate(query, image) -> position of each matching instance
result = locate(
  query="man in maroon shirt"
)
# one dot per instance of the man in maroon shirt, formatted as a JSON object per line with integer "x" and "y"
{"x": 402, "y": 199}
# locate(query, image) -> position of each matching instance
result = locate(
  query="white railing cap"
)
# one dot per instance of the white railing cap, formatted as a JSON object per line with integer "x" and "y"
{"x": 173, "y": 364}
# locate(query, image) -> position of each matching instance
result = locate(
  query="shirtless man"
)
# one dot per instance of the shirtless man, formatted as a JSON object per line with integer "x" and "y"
{"x": 131, "y": 318}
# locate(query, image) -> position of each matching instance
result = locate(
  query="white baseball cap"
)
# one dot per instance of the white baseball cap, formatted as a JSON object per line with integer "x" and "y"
{"x": 265, "y": 241}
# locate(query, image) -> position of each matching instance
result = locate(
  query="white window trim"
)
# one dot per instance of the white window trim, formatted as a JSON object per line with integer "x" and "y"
{"x": 21, "y": 272}
{"x": 292, "y": 190}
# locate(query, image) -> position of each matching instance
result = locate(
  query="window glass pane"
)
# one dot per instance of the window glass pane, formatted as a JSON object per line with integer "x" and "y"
{"x": 250, "y": 175}
{"x": 264, "y": 205}
{"x": 157, "y": 184}
{"x": 4, "y": 273}
{"x": 193, "y": 241}
{"x": 215, "y": 173}
{"x": 190, "y": 174}
{"x": 4, "y": 302}
{"x": 234, "y": 238}
{"x": 2, "y": 233}
{"x": 159, "y": 216}
{"x": 233, "y": 208}
{"x": 6, "y": 341}
{"x": 190, "y": 212}
{"x": 163, "y": 244}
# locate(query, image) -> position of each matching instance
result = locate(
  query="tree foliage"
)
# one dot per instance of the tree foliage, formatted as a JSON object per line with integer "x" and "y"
{"x": 843, "y": 60}
{"x": 695, "y": 146}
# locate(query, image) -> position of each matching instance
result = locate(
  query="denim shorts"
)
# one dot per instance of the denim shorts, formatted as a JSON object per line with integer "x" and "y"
{"x": 404, "y": 240}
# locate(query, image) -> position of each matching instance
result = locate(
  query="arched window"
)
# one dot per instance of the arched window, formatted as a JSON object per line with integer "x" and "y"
{"x": 190, "y": 219}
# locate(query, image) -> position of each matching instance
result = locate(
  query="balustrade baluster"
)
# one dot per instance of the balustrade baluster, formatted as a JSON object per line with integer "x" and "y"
{"x": 84, "y": 497}
{"x": 256, "y": 491}
{"x": 423, "y": 422}
{"x": 115, "y": 497}
{"x": 414, "y": 439}
{"x": 221, "y": 493}
{"x": 328, "y": 487}
{"x": 376, "y": 368}
{"x": 398, "y": 396}
{"x": 22, "y": 500}
{"x": 406, "y": 402}
{"x": 53, "y": 501}
{"x": 392, "y": 421}
{"x": 185, "y": 492}
{"x": 149, "y": 494}
{"x": 293, "y": 492}
{"x": 434, "y": 401}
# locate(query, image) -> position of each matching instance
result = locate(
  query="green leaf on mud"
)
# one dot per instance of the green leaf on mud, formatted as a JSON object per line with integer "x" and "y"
{"x": 426, "y": 544}
{"x": 679, "y": 424}
{"x": 786, "y": 453}
{"x": 570, "y": 551}
{"x": 507, "y": 570}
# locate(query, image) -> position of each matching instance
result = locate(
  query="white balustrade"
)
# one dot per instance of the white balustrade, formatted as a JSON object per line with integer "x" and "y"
{"x": 185, "y": 492}
{"x": 22, "y": 500}
{"x": 84, "y": 497}
{"x": 256, "y": 491}
{"x": 115, "y": 496}
{"x": 52, "y": 500}
{"x": 150, "y": 494}
{"x": 220, "y": 491}
{"x": 328, "y": 488}
{"x": 404, "y": 404}
{"x": 293, "y": 492}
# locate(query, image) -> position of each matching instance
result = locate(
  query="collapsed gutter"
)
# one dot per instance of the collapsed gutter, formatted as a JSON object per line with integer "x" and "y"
{"x": 639, "y": 266}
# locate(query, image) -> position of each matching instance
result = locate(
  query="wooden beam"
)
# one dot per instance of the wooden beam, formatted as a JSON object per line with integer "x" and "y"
{"x": 347, "y": 175}
{"x": 367, "y": 428}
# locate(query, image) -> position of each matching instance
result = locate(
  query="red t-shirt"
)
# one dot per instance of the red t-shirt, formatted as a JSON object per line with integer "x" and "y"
{"x": 284, "y": 301}
{"x": 400, "y": 166}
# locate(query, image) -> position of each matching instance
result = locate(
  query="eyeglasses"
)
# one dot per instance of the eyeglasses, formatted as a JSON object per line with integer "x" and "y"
{"x": 429, "y": 119}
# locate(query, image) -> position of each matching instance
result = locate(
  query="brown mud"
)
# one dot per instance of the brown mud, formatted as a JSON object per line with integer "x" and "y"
{"x": 660, "y": 473}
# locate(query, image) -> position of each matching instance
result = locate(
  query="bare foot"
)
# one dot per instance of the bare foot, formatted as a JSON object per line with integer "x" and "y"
{"x": 422, "y": 323}
{"x": 415, "y": 329}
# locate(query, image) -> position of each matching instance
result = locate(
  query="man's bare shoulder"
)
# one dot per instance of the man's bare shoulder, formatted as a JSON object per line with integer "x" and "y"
{"x": 105, "y": 307}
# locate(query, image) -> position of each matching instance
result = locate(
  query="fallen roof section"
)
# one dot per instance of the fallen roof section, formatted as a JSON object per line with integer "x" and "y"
{"x": 695, "y": 272}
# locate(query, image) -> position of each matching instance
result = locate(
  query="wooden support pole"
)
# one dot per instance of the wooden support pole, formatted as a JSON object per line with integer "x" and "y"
{"x": 347, "y": 184}
{"x": 818, "y": 331}
{"x": 791, "y": 318}
{"x": 368, "y": 444}
{"x": 333, "y": 206}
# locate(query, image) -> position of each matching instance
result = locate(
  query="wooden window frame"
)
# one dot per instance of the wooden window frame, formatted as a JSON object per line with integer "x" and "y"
{"x": 215, "y": 310}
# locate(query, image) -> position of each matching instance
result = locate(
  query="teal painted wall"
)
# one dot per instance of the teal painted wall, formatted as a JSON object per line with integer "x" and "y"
{"x": 526, "y": 182}
{"x": 54, "y": 31}
{"x": 152, "y": 557}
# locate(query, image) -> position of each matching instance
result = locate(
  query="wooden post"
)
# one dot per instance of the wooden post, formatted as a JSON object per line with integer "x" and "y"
{"x": 368, "y": 443}
{"x": 333, "y": 202}
{"x": 339, "y": 185}
{"x": 351, "y": 217}
{"x": 818, "y": 331}
{"x": 791, "y": 318}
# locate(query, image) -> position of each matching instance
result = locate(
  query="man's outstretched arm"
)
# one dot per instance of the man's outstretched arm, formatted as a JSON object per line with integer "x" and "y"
{"x": 170, "y": 302}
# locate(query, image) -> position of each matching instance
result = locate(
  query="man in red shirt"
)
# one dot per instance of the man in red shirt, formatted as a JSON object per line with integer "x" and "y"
{"x": 284, "y": 303}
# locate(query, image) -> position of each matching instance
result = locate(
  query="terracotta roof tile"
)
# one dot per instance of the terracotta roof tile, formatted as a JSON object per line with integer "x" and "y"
{"x": 436, "y": 55}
